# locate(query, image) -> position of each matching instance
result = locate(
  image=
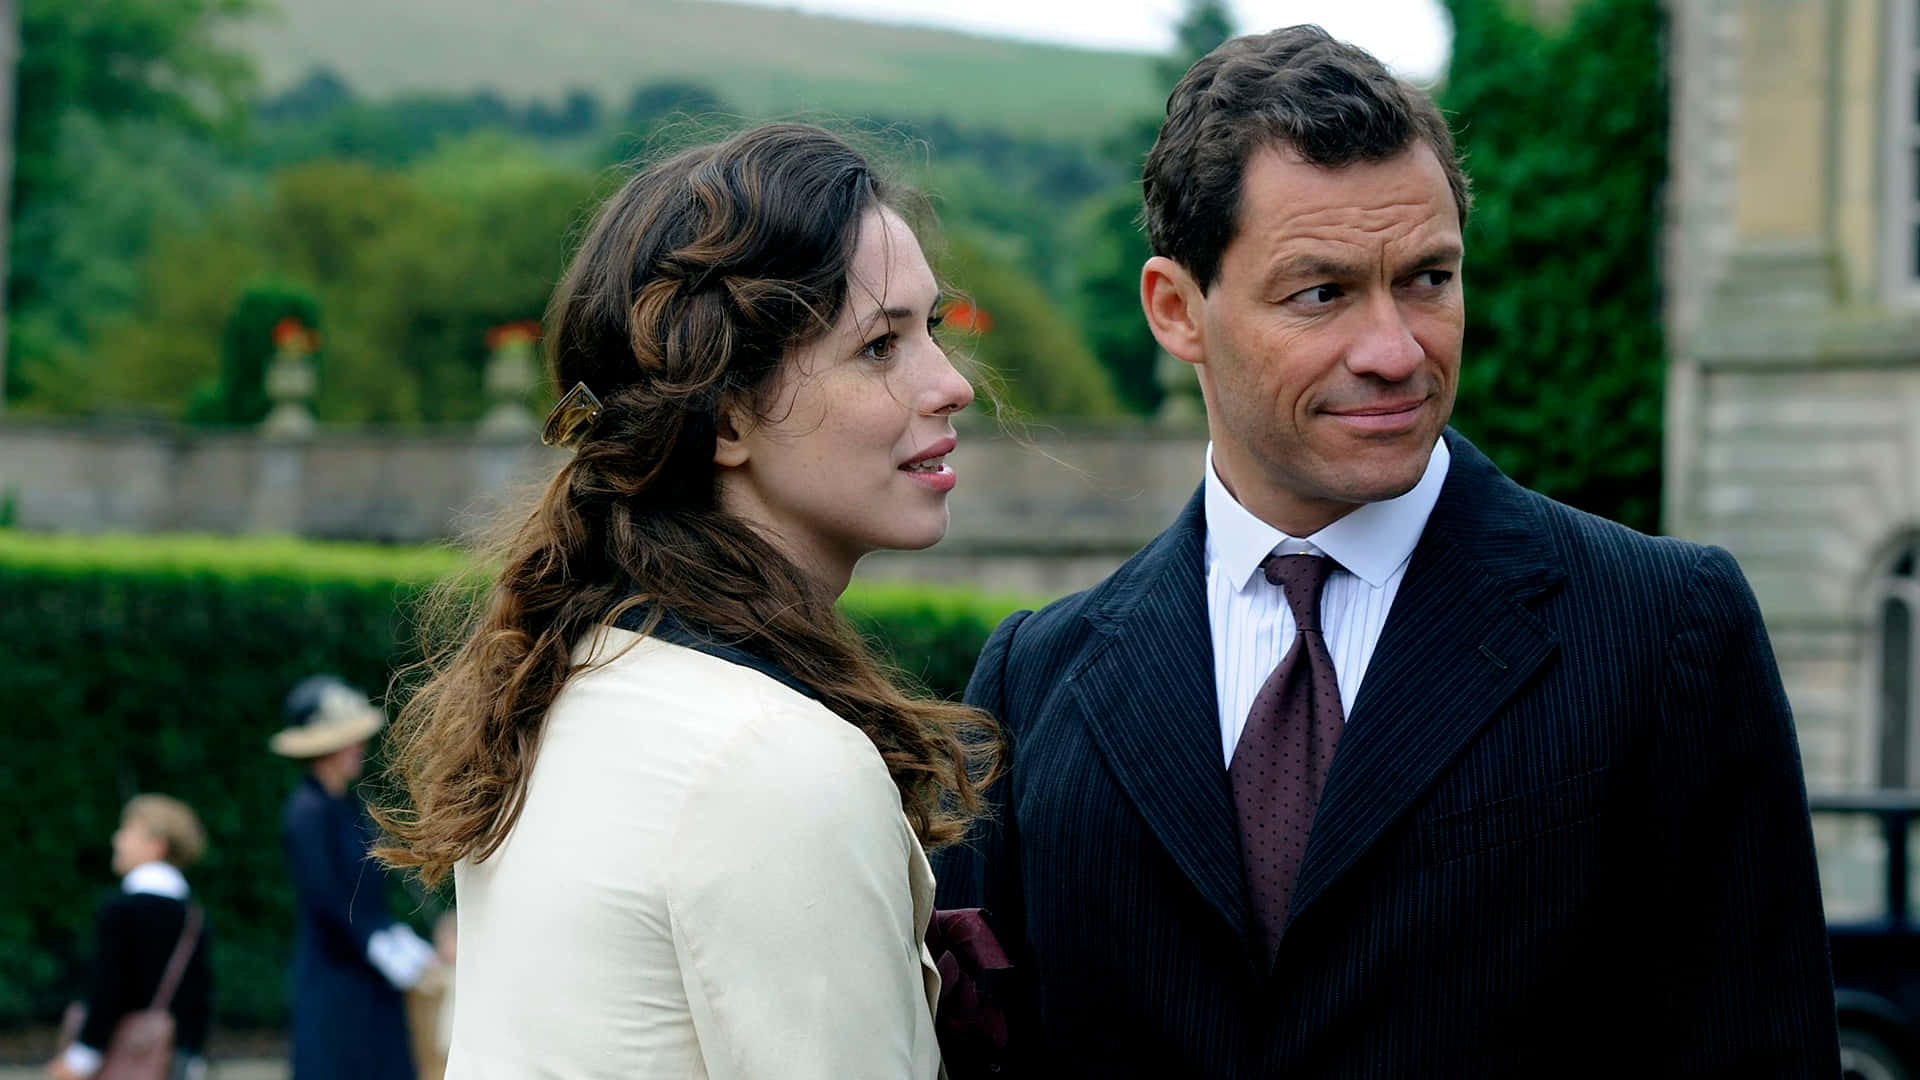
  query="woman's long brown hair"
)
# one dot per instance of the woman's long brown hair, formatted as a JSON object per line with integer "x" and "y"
{"x": 694, "y": 283}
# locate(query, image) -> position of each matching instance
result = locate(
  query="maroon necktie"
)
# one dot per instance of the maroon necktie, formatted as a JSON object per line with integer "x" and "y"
{"x": 1280, "y": 763}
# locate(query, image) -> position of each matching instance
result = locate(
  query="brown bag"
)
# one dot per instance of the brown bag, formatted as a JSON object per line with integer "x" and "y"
{"x": 142, "y": 1043}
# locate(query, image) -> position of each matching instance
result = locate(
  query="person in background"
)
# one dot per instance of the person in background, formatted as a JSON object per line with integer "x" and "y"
{"x": 136, "y": 934}
{"x": 352, "y": 960}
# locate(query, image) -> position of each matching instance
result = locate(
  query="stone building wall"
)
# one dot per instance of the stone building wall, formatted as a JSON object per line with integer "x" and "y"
{"x": 1793, "y": 396}
{"x": 1041, "y": 514}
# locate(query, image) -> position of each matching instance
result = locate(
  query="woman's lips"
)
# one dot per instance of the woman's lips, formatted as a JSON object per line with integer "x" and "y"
{"x": 939, "y": 479}
{"x": 929, "y": 467}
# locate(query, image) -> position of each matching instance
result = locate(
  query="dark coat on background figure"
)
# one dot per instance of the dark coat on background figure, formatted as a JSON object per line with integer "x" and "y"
{"x": 349, "y": 1023}
{"x": 1564, "y": 833}
{"x": 135, "y": 935}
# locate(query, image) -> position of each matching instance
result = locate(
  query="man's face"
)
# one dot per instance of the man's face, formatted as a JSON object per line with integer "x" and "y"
{"x": 1328, "y": 347}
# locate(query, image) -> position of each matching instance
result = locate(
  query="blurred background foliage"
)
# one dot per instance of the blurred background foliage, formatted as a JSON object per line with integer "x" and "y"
{"x": 159, "y": 664}
{"x": 156, "y": 191}
{"x": 1564, "y": 128}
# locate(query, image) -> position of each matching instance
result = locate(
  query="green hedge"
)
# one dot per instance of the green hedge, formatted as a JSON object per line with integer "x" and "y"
{"x": 145, "y": 664}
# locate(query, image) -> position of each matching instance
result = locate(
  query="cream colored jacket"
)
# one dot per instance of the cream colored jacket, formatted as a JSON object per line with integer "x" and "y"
{"x": 711, "y": 877}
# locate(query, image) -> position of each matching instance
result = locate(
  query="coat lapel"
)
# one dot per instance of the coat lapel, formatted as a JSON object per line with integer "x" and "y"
{"x": 1148, "y": 697}
{"x": 1458, "y": 643}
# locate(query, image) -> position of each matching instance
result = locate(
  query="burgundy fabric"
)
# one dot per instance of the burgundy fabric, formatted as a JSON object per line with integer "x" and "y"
{"x": 1280, "y": 764}
{"x": 971, "y": 1017}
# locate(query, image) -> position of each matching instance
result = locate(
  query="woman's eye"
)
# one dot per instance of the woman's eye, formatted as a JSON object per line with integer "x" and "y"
{"x": 934, "y": 323}
{"x": 880, "y": 348}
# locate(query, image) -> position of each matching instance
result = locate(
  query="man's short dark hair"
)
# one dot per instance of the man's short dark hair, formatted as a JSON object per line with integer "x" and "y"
{"x": 1330, "y": 102}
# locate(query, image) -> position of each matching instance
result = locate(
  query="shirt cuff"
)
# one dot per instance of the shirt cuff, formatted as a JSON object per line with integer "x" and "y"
{"x": 400, "y": 954}
{"x": 81, "y": 1059}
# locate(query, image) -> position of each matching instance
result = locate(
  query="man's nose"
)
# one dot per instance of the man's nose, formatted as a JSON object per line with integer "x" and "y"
{"x": 1385, "y": 348}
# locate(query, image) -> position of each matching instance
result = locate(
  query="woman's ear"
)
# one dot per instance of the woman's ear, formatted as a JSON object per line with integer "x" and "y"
{"x": 730, "y": 450}
{"x": 1173, "y": 302}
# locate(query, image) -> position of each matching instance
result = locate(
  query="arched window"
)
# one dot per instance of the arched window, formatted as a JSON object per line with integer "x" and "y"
{"x": 1897, "y": 602}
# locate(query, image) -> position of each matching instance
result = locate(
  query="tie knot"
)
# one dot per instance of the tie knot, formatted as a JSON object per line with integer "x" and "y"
{"x": 1301, "y": 577}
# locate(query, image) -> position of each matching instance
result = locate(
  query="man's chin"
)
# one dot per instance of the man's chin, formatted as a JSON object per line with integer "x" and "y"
{"x": 1384, "y": 480}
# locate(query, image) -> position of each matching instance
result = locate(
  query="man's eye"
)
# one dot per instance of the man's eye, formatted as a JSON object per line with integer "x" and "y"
{"x": 1318, "y": 296}
{"x": 880, "y": 348}
{"x": 1432, "y": 279}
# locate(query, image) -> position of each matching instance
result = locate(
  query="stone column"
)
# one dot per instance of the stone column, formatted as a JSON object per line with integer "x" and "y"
{"x": 290, "y": 382}
{"x": 280, "y": 493}
{"x": 509, "y": 378}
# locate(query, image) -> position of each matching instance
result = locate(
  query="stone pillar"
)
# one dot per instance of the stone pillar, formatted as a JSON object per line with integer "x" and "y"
{"x": 280, "y": 493}
{"x": 290, "y": 383}
{"x": 509, "y": 378}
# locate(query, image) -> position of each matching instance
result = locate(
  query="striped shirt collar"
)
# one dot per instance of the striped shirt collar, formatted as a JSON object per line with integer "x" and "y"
{"x": 158, "y": 878}
{"x": 1371, "y": 543}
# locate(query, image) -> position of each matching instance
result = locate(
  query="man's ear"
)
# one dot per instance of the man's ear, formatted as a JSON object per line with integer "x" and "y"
{"x": 729, "y": 448}
{"x": 1173, "y": 303}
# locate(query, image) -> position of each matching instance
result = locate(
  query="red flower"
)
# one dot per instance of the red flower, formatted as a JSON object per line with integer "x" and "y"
{"x": 292, "y": 335}
{"x": 523, "y": 332}
{"x": 965, "y": 316}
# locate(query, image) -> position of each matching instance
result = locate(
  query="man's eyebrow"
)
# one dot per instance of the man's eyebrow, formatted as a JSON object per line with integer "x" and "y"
{"x": 1438, "y": 255}
{"x": 1312, "y": 266}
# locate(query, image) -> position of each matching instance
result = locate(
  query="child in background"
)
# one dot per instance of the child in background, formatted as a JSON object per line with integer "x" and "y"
{"x": 135, "y": 935}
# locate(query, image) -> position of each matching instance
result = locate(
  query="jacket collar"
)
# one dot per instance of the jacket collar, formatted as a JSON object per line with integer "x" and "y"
{"x": 678, "y": 631}
{"x": 157, "y": 879}
{"x": 1459, "y": 642}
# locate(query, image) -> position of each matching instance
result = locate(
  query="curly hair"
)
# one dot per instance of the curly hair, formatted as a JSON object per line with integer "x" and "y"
{"x": 696, "y": 280}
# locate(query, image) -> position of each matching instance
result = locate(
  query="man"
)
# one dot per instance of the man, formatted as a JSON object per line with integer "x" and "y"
{"x": 352, "y": 961}
{"x": 1376, "y": 763}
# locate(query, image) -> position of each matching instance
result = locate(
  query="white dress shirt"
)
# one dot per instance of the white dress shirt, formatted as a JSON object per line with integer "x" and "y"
{"x": 1253, "y": 626}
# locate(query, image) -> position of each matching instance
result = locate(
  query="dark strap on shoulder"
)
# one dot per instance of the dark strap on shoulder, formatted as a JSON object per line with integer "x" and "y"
{"x": 177, "y": 963}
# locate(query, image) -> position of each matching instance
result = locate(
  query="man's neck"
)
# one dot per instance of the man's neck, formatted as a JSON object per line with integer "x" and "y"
{"x": 1294, "y": 515}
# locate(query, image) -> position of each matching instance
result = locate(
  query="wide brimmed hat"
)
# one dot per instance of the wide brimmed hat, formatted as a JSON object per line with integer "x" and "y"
{"x": 324, "y": 714}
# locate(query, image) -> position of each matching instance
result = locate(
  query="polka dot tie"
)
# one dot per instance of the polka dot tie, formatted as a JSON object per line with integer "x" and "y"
{"x": 1280, "y": 763}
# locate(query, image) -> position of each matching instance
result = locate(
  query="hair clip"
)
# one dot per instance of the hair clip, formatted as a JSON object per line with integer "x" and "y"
{"x": 572, "y": 418}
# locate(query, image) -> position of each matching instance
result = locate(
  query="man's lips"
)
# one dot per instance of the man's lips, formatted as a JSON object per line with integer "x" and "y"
{"x": 1384, "y": 416}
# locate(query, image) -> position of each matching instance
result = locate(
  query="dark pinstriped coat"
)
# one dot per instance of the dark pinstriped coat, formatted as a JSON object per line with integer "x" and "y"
{"x": 1565, "y": 833}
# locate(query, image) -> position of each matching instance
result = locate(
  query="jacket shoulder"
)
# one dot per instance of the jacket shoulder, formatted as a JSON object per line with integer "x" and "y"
{"x": 1593, "y": 544}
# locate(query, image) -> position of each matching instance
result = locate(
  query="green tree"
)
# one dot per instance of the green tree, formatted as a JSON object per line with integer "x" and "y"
{"x": 132, "y": 183}
{"x": 239, "y": 395}
{"x": 1564, "y": 361}
{"x": 1109, "y": 241}
{"x": 1029, "y": 356}
{"x": 1203, "y": 25}
{"x": 412, "y": 267}
{"x": 156, "y": 62}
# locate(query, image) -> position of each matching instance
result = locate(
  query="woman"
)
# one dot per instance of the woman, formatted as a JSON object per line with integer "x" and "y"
{"x": 149, "y": 942}
{"x": 684, "y": 807}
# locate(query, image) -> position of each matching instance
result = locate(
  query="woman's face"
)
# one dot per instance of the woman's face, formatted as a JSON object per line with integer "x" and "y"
{"x": 850, "y": 454}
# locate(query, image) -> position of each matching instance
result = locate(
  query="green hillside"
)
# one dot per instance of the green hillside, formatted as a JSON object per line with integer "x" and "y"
{"x": 764, "y": 60}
